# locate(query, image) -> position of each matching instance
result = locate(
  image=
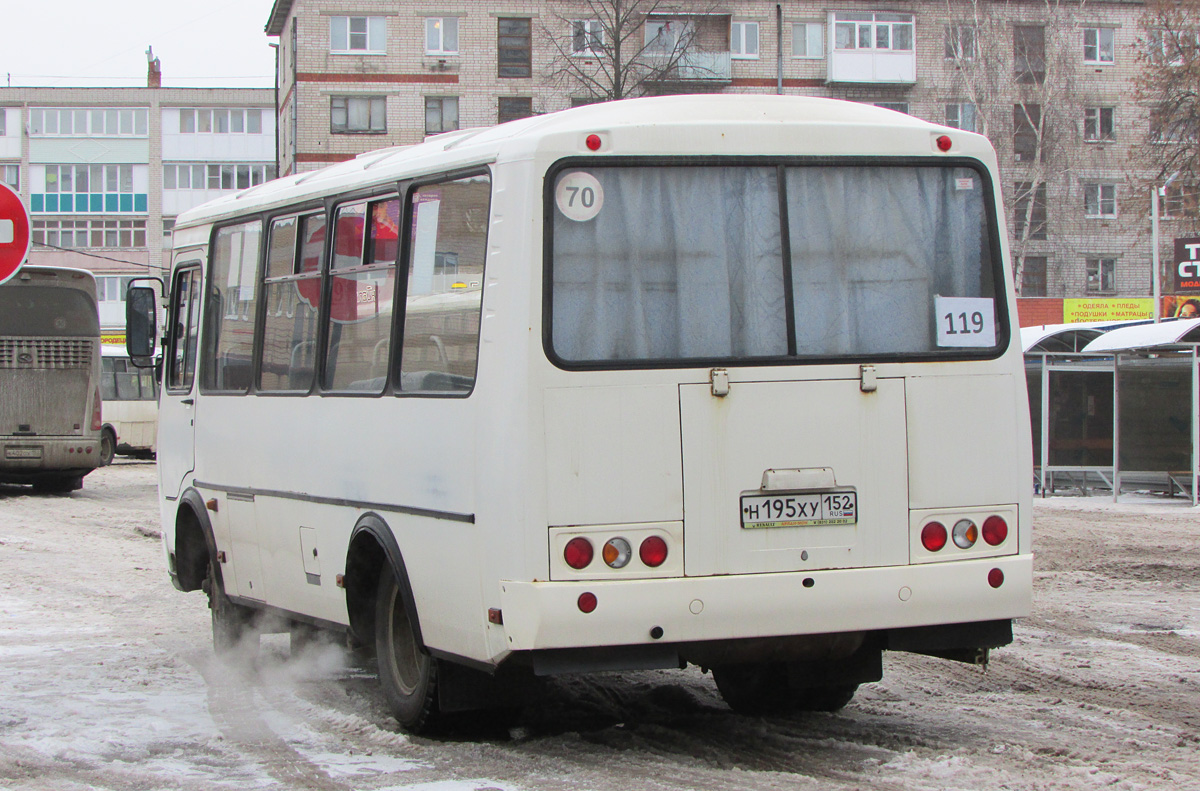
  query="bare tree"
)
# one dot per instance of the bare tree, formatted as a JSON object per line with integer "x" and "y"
{"x": 617, "y": 49}
{"x": 1019, "y": 74}
{"x": 1167, "y": 87}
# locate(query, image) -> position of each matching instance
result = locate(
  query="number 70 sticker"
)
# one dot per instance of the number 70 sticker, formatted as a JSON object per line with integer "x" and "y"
{"x": 965, "y": 321}
{"x": 579, "y": 196}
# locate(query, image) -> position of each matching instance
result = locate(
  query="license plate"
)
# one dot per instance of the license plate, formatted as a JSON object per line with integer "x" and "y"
{"x": 799, "y": 509}
{"x": 23, "y": 453}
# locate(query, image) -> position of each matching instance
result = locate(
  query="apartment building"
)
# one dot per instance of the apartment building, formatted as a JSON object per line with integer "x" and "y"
{"x": 1048, "y": 82}
{"x": 105, "y": 171}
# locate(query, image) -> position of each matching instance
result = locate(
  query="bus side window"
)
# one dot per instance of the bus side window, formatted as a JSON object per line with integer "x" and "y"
{"x": 231, "y": 309}
{"x": 445, "y": 286}
{"x": 185, "y": 316}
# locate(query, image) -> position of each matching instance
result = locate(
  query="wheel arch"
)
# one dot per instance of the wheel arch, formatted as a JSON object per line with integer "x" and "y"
{"x": 373, "y": 544}
{"x": 195, "y": 543}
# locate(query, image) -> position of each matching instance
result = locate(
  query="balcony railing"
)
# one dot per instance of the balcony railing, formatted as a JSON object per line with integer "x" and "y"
{"x": 708, "y": 66}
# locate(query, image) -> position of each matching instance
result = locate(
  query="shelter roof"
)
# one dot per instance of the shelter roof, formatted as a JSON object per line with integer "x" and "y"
{"x": 1067, "y": 338}
{"x": 1168, "y": 335}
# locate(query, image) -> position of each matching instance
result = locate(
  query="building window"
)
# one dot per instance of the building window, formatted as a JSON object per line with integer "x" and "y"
{"x": 900, "y": 107}
{"x": 1179, "y": 201}
{"x": 112, "y": 289}
{"x": 510, "y": 108}
{"x": 11, "y": 175}
{"x": 1098, "y": 45}
{"x": 961, "y": 115}
{"x": 90, "y": 189}
{"x": 441, "y": 35}
{"x": 1033, "y": 276}
{"x": 3, "y": 122}
{"x": 1027, "y": 122}
{"x": 960, "y": 42}
{"x": 514, "y": 47}
{"x": 1027, "y": 216}
{"x": 168, "y": 229}
{"x": 667, "y": 36}
{"x": 441, "y": 114}
{"x": 880, "y": 32}
{"x": 88, "y": 122}
{"x": 358, "y": 115}
{"x": 1168, "y": 46}
{"x": 1101, "y": 275}
{"x": 1029, "y": 53}
{"x": 93, "y": 233}
{"x": 357, "y": 34}
{"x": 1100, "y": 200}
{"x": 1098, "y": 123}
{"x": 808, "y": 40}
{"x": 211, "y": 176}
{"x": 743, "y": 40}
{"x": 587, "y": 37}
{"x": 224, "y": 121}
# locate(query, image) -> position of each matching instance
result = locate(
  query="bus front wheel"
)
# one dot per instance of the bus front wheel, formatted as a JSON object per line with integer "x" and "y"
{"x": 232, "y": 625}
{"x": 764, "y": 689}
{"x": 407, "y": 674}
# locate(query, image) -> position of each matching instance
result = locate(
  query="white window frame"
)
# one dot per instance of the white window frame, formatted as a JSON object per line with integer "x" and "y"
{"x": 89, "y": 122}
{"x": 1095, "y": 41}
{"x": 679, "y": 31}
{"x": 1094, "y": 123}
{"x": 808, "y": 34}
{"x": 10, "y": 174}
{"x": 442, "y": 100}
{"x": 342, "y": 35}
{"x": 437, "y": 27}
{"x": 743, "y": 40}
{"x": 866, "y": 31}
{"x": 1100, "y": 200}
{"x": 376, "y": 108}
{"x": 1098, "y": 269}
{"x": 959, "y": 117}
{"x": 591, "y": 31}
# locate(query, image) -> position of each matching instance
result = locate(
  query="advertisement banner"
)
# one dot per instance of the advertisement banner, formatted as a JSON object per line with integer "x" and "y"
{"x": 1112, "y": 309}
{"x": 1186, "y": 277}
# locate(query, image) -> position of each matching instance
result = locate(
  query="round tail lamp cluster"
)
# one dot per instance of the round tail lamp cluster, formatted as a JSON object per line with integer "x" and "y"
{"x": 616, "y": 553}
{"x": 965, "y": 533}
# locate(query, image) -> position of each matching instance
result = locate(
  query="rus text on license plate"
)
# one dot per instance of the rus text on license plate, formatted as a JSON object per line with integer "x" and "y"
{"x": 799, "y": 509}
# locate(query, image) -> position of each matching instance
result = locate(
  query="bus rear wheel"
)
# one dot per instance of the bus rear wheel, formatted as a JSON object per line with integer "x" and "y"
{"x": 407, "y": 674}
{"x": 108, "y": 447}
{"x": 757, "y": 689}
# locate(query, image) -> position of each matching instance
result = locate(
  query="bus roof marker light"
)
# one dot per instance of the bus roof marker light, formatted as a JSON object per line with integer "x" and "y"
{"x": 593, "y": 142}
{"x": 944, "y": 143}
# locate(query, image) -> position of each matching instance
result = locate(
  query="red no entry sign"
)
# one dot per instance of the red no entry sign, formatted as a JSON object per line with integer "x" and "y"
{"x": 14, "y": 232}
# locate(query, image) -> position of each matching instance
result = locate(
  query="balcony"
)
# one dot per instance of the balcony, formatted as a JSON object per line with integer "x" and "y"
{"x": 872, "y": 48}
{"x": 691, "y": 67}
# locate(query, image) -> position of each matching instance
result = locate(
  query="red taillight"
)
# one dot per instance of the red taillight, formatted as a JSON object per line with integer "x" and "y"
{"x": 943, "y": 143}
{"x": 97, "y": 420}
{"x": 995, "y": 578}
{"x": 587, "y": 602}
{"x": 995, "y": 530}
{"x": 933, "y": 536}
{"x": 653, "y": 551}
{"x": 578, "y": 552}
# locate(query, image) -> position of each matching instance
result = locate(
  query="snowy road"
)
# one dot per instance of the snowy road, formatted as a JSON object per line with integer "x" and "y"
{"x": 107, "y": 680}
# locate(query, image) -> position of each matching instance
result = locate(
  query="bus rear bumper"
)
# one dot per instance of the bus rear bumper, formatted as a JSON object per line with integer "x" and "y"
{"x": 32, "y": 459}
{"x": 546, "y": 615}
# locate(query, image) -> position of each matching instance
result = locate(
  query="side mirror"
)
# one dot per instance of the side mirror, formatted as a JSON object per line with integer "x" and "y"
{"x": 141, "y": 325}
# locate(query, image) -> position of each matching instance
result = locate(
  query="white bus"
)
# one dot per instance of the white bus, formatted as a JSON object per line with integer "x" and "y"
{"x": 49, "y": 378}
{"x": 721, "y": 380}
{"x": 130, "y": 396}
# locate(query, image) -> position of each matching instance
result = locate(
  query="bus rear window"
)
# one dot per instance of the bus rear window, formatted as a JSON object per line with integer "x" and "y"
{"x": 814, "y": 262}
{"x": 53, "y": 311}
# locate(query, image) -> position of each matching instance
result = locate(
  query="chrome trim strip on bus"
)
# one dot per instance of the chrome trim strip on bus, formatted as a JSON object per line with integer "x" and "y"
{"x": 450, "y": 516}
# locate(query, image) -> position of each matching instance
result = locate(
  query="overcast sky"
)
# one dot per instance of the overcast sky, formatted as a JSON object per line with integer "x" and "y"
{"x": 219, "y": 43}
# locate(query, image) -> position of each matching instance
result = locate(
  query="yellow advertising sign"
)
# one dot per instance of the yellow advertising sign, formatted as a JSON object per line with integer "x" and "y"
{"x": 114, "y": 340}
{"x": 1107, "y": 310}
{"x": 1117, "y": 309}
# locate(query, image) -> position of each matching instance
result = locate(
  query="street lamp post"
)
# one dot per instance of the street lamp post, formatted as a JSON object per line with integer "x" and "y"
{"x": 1156, "y": 194}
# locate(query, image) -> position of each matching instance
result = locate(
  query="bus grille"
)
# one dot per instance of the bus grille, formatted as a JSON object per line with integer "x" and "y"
{"x": 45, "y": 353}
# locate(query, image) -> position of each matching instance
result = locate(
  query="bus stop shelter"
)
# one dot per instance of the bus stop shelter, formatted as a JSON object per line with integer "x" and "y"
{"x": 1156, "y": 403}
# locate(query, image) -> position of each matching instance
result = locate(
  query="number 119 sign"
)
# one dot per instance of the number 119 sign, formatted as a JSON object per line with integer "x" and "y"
{"x": 965, "y": 321}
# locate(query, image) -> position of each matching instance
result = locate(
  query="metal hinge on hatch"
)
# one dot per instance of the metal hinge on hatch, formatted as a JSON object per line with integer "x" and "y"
{"x": 720, "y": 382}
{"x": 868, "y": 382}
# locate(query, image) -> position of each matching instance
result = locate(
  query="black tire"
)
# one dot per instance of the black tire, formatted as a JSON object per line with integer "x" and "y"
{"x": 303, "y": 636}
{"x": 233, "y": 631}
{"x": 757, "y": 689}
{"x": 407, "y": 674}
{"x": 108, "y": 447}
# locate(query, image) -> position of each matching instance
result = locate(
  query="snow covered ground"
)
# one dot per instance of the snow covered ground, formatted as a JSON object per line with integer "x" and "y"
{"x": 107, "y": 680}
